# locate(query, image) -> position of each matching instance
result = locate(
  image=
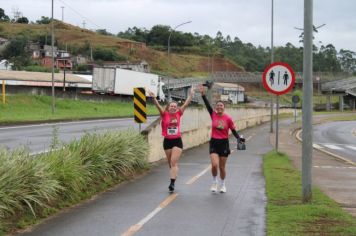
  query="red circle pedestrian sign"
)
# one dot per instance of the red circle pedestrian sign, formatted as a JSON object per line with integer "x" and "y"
{"x": 278, "y": 78}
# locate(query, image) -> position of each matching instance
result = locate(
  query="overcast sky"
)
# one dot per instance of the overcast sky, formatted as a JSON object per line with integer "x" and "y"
{"x": 250, "y": 20}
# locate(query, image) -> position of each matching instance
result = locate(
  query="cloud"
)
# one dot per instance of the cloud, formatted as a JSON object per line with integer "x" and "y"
{"x": 250, "y": 20}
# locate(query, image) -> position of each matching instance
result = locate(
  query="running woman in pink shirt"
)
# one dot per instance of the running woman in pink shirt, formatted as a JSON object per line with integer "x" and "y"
{"x": 219, "y": 143}
{"x": 172, "y": 143}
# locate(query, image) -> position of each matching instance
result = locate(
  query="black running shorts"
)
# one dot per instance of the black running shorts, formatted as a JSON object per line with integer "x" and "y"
{"x": 170, "y": 143}
{"x": 220, "y": 147}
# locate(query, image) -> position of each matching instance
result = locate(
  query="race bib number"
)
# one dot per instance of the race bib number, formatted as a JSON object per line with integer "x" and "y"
{"x": 172, "y": 130}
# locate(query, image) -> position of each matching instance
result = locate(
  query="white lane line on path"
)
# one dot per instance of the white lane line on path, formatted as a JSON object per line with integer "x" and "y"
{"x": 195, "y": 178}
{"x": 351, "y": 147}
{"x": 135, "y": 228}
{"x": 334, "y": 147}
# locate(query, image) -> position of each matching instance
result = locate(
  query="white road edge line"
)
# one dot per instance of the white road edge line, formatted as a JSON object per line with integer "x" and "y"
{"x": 297, "y": 135}
{"x": 66, "y": 123}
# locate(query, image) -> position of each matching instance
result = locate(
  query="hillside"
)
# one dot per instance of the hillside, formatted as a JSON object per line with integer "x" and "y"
{"x": 179, "y": 65}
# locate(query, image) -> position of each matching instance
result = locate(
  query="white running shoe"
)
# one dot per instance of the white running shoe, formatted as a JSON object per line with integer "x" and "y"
{"x": 222, "y": 188}
{"x": 214, "y": 187}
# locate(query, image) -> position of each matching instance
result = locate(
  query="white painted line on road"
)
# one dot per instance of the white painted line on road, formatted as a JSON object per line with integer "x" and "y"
{"x": 351, "y": 147}
{"x": 135, "y": 228}
{"x": 324, "y": 151}
{"x": 68, "y": 122}
{"x": 195, "y": 178}
{"x": 316, "y": 146}
{"x": 250, "y": 137}
{"x": 334, "y": 147}
{"x": 336, "y": 167}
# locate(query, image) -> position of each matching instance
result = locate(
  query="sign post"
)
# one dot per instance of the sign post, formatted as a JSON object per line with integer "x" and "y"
{"x": 278, "y": 78}
{"x": 295, "y": 100}
{"x": 140, "y": 111}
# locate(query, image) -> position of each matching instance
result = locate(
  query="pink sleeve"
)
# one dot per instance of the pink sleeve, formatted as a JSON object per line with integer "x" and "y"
{"x": 180, "y": 112}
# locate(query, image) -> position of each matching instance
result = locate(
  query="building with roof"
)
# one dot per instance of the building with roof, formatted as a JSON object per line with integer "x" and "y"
{"x": 228, "y": 92}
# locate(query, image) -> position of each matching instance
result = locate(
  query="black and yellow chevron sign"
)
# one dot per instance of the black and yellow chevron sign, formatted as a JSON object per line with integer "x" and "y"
{"x": 140, "y": 110}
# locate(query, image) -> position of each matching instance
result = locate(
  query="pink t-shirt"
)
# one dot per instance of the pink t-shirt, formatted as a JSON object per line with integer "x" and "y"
{"x": 171, "y": 124}
{"x": 221, "y": 126}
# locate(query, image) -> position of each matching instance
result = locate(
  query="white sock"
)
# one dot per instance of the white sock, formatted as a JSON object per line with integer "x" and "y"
{"x": 215, "y": 180}
{"x": 222, "y": 181}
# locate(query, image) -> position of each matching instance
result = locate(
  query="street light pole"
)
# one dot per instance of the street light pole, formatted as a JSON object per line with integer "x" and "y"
{"x": 307, "y": 127}
{"x": 168, "y": 51}
{"x": 52, "y": 43}
{"x": 272, "y": 60}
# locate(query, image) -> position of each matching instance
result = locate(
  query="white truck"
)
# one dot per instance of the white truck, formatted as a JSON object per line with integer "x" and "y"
{"x": 111, "y": 80}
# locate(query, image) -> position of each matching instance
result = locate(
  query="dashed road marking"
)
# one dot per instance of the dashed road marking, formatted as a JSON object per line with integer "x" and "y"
{"x": 135, "y": 228}
{"x": 195, "y": 178}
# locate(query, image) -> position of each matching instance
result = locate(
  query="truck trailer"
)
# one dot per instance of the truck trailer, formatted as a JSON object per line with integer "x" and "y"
{"x": 111, "y": 80}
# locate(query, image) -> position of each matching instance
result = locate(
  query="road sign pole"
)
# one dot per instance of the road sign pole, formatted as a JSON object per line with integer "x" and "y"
{"x": 139, "y": 128}
{"x": 295, "y": 112}
{"x": 307, "y": 127}
{"x": 277, "y": 125}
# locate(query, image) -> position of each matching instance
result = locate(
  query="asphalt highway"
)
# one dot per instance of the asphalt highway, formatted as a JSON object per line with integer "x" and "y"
{"x": 337, "y": 137}
{"x": 38, "y": 137}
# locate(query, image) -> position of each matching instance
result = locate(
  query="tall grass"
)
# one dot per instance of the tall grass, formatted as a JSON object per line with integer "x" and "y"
{"x": 32, "y": 184}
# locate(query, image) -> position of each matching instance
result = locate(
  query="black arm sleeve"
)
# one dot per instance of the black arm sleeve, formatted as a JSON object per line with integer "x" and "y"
{"x": 207, "y": 104}
{"x": 234, "y": 132}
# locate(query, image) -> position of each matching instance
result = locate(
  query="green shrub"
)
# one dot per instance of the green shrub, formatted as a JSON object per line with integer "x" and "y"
{"x": 70, "y": 173}
{"x": 39, "y": 69}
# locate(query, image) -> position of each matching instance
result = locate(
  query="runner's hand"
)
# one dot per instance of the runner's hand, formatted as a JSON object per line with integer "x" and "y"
{"x": 151, "y": 94}
{"x": 202, "y": 89}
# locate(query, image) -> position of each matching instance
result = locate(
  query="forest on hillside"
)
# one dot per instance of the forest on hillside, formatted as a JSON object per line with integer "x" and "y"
{"x": 251, "y": 57}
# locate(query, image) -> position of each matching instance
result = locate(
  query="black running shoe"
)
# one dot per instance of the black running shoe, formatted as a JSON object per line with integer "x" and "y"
{"x": 171, "y": 187}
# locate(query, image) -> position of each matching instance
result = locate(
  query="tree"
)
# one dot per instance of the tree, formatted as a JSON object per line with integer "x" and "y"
{"x": 348, "y": 60}
{"x": 44, "y": 20}
{"x": 16, "y": 52}
{"x": 22, "y": 20}
{"x": 103, "y": 32}
{"x": 3, "y": 16}
{"x": 158, "y": 35}
{"x": 106, "y": 54}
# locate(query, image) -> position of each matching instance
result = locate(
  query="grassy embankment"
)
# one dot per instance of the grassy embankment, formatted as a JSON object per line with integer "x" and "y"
{"x": 35, "y": 187}
{"x": 287, "y": 215}
{"x": 28, "y": 108}
{"x": 75, "y": 38}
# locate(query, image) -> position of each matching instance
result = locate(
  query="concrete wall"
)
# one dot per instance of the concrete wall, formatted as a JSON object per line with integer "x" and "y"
{"x": 196, "y": 127}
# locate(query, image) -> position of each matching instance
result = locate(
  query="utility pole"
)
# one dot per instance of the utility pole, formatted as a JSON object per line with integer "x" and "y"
{"x": 168, "y": 51}
{"x": 272, "y": 60}
{"x": 52, "y": 42}
{"x": 307, "y": 110}
{"x": 62, "y": 13}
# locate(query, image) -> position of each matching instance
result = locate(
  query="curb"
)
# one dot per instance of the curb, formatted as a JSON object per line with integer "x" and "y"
{"x": 297, "y": 135}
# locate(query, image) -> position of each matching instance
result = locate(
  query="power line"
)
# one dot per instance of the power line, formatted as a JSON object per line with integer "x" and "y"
{"x": 78, "y": 13}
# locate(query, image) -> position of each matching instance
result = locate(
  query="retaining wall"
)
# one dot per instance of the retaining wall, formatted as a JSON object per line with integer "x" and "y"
{"x": 196, "y": 127}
